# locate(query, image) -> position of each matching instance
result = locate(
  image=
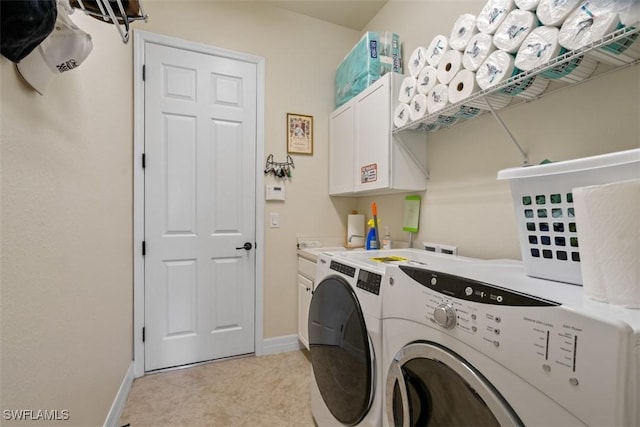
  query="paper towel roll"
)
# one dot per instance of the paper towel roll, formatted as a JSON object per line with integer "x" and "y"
{"x": 418, "y": 107}
{"x": 355, "y": 231}
{"x": 591, "y": 22}
{"x": 492, "y": 15}
{"x": 608, "y": 227}
{"x": 438, "y": 98}
{"x": 514, "y": 29}
{"x": 446, "y": 121}
{"x": 527, "y": 4}
{"x": 401, "y": 115}
{"x": 468, "y": 112}
{"x": 529, "y": 88}
{"x": 438, "y": 46}
{"x": 427, "y": 79}
{"x": 629, "y": 12}
{"x": 450, "y": 64}
{"x": 554, "y": 12}
{"x": 540, "y": 46}
{"x": 463, "y": 29}
{"x": 462, "y": 86}
{"x": 592, "y": 280}
{"x": 498, "y": 67}
{"x": 417, "y": 61}
{"x": 478, "y": 49}
{"x": 573, "y": 71}
{"x": 583, "y": 27}
{"x": 407, "y": 89}
{"x": 428, "y": 127}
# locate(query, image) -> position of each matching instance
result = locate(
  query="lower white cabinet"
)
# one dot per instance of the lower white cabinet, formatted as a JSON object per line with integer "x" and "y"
{"x": 305, "y": 291}
{"x": 306, "y": 274}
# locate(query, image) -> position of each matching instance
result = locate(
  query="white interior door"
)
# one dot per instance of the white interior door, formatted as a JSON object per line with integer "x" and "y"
{"x": 200, "y": 206}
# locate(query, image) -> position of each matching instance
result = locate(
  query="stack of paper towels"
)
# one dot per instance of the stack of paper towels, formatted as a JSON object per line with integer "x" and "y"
{"x": 505, "y": 39}
{"x": 608, "y": 225}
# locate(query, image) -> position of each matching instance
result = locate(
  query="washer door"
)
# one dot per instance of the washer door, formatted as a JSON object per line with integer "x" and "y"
{"x": 341, "y": 353}
{"x": 428, "y": 385}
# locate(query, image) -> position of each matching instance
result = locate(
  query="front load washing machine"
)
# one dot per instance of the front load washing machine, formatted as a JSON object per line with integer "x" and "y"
{"x": 345, "y": 332}
{"x": 485, "y": 344}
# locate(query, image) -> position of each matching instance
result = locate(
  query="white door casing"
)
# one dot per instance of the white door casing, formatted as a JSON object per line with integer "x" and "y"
{"x": 203, "y": 142}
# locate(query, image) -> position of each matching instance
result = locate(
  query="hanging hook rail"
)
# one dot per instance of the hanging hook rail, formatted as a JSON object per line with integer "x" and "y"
{"x": 113, "y": 12}
{"x": 279, "y": 169}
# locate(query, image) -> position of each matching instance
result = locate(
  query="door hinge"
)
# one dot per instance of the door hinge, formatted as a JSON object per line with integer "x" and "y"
{"x": 144, "y": 72}
{"x": 144, "y": 248}
{"x": 143, "y": 333}
{"x": 144, "y": 160}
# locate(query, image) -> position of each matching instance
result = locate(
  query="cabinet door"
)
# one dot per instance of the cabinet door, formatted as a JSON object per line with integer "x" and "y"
{"x": 305, "y": 287}
{"x": 341, "y": 150}
{"x": 372, "y": 136}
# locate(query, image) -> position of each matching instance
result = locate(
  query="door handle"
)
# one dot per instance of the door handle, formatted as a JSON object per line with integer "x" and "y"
{"x": 247, "y": 246}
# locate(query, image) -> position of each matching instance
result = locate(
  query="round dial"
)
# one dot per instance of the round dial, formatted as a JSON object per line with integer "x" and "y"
{"x": 445, "y": 315}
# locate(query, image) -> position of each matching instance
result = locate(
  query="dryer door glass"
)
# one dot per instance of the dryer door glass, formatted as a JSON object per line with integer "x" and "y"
{"x": 431, "y": 386}
{"x": 340, "y": 350}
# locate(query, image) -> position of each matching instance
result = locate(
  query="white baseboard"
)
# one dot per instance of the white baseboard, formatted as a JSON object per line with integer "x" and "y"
{"x": 120, "y": 401}
{"x": 281, "y": 344}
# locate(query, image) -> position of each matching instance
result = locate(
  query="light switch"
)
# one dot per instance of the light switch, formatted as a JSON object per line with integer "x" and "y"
{"x": 275, "y": 220}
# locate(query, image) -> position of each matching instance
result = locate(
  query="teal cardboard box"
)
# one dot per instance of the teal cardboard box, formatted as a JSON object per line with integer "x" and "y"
{"x": 373, "y": 56}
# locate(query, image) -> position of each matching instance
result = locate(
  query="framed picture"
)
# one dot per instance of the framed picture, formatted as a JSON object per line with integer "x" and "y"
{"x": 299, "y": 134}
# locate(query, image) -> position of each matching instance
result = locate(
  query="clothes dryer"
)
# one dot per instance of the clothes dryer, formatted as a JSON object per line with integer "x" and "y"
{"x": 485, "y": 344}
{"x": 345, "y": 332}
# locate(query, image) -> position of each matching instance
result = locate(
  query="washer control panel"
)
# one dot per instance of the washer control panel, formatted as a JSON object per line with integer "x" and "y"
{"x": 369, "y": 282}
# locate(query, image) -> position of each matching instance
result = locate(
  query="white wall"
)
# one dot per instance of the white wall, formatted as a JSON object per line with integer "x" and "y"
{"x": 464, "y": 205}
{"x": 66, "y": 292}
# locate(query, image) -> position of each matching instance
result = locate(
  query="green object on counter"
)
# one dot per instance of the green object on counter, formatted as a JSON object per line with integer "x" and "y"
{"x": 411, "y": 213}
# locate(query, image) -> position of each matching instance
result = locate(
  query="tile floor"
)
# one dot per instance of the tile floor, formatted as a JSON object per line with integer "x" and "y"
{"x": 271, "y": 391}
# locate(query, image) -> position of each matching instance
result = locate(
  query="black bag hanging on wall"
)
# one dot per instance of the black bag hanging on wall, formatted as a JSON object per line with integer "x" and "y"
{"x": 24, "y": 24}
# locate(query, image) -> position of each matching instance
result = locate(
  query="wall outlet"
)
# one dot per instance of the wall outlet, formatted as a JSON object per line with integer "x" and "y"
{"x": 440, "y": 248}
{"x": 450, "y": 250}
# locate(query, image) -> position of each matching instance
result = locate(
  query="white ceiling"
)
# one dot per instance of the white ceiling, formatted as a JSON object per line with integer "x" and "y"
{"x": 354, "y": 14}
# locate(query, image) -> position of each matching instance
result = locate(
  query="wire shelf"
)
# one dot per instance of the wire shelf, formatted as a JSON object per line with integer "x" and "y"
{"x": 615, "y": 51}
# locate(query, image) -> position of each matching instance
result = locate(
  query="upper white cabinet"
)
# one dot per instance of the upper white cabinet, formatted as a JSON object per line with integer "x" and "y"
{"x": 364, "y": 157}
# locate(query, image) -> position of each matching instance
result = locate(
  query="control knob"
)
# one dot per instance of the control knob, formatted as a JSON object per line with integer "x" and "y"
{"x": 445, "y": 315}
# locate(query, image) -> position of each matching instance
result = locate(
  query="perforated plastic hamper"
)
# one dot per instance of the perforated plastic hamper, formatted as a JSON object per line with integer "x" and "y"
{"x": 543, "y": 204}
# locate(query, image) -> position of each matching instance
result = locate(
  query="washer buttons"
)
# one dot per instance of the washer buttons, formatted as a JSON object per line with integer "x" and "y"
{"x": 468, "y": 291}
{"x": 434, "y": 281}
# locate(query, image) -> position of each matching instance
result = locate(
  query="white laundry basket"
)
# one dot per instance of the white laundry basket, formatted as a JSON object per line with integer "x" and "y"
{"x": 543, "y": 204}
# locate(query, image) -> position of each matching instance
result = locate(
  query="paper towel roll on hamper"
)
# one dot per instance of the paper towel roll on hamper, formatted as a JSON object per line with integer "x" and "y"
{"x": 608, "y": 222}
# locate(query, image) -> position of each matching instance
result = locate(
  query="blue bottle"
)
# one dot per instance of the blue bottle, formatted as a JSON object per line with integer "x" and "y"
{"x": 372, "y": 242}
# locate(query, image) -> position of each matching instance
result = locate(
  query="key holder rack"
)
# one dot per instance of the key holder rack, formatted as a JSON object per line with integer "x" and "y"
{"x": 279, "y": 169}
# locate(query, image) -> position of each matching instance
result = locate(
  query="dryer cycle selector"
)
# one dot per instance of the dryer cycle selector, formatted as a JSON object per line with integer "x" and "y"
{"x": 445, "y": 315}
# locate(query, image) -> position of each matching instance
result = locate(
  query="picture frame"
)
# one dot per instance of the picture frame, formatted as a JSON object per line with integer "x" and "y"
{"x": 299, "y": 134}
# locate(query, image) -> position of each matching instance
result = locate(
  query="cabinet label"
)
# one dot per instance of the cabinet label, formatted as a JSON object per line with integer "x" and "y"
{"x": 369, "y": 173}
